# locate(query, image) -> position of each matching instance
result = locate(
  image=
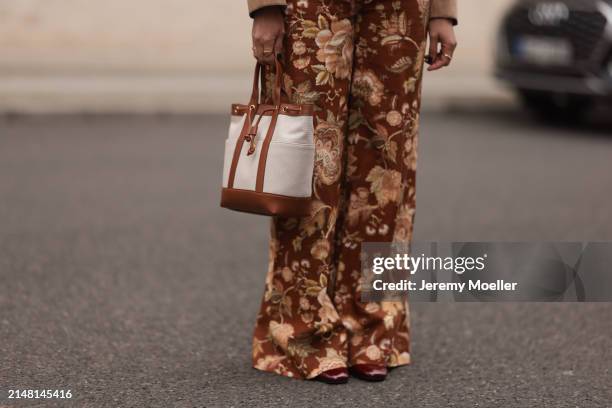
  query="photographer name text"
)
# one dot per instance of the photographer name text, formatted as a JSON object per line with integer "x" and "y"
{"x": 478, "y": 285}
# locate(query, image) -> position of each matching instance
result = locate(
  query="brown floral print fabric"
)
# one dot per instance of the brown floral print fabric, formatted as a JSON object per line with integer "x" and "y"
{"x": 360, "y": 62}
{"x": 439, "y": 8}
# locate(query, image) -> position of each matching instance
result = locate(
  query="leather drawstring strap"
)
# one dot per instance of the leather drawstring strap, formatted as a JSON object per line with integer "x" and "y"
{"x": 254, "y": 101}
{"x": 251, "y": 135}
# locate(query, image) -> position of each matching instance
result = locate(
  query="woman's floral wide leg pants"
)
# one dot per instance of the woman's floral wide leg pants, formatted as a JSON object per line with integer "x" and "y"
{"x": 360, "y": 62}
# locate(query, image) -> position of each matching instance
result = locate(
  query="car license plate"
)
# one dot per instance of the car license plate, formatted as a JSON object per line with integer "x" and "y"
{"x": 544, "y": 50}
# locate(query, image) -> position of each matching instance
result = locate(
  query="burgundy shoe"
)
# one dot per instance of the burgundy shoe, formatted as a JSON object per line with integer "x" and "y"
{"x": 369, "y": 372}
{"x": 334, "y": 376}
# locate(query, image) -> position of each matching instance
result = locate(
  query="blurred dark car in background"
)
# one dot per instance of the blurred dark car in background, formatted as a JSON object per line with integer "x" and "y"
{"x": 557, "y": 54}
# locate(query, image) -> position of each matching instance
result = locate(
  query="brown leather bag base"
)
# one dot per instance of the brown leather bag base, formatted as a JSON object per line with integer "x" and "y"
{"x": 264, "y": 203}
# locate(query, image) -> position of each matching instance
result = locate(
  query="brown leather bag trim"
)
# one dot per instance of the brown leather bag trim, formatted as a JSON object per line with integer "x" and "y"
{"x": 287, "y": 109}
{"x": 263, "y": 155}
{"x": 238, "y": 151}
{"x": 265, "y": 203}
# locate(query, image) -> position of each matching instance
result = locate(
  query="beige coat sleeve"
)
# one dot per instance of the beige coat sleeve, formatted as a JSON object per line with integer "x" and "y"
{"x": 439, "y": 8}
{"x": 257, "y": 4}
{"x": 444, "y": 9}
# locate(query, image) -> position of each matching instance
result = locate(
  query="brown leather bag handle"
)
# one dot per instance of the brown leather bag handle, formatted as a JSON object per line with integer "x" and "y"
{"x": 259, "y": 77}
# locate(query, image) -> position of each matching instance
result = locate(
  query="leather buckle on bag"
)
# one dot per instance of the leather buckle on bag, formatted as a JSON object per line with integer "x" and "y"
{"x": 251, "y": 148}
{"x": 293, "y": 109}
{"x": 250, "y": 138}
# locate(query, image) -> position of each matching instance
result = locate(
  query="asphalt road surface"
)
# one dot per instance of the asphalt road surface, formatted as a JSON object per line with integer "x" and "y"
{"x": 123, "y": 281}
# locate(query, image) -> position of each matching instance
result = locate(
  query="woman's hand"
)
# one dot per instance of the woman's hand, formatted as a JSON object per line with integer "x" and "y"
{"x": 268, "y": 33}
{"x": 442, "y": 43}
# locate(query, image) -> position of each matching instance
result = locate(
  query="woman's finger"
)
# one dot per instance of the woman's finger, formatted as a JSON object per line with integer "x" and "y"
{"x": 433, "y": 47}
{"x": 447, "y": 52}
{"x": 446, "y": 55}
{"x": 267, "y": 51}
{"x": 257, "y": 50}
{"x": 278, "y": 45}
{"x": 438, "y": 60}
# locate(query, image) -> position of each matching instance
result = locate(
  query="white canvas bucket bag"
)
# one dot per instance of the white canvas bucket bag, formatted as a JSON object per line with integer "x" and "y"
{"x": 269, "y": 155}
